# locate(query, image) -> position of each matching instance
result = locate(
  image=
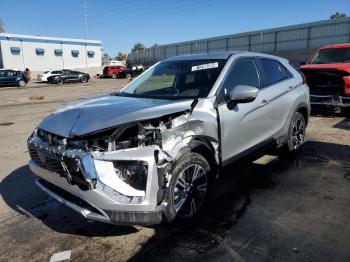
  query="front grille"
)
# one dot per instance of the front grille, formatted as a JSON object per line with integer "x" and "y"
{"x": 66, "y": 167}
{"x": 47, "y": 162}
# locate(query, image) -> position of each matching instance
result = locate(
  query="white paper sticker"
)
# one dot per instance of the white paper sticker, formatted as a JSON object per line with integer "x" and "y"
{"x": 205, "y": 66}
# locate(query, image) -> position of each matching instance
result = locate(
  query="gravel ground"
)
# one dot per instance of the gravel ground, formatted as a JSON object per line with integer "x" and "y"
{"x": 275, "y": 209}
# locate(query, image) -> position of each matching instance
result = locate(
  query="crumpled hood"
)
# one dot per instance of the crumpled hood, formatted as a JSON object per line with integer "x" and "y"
{"x": 107, "y": 111}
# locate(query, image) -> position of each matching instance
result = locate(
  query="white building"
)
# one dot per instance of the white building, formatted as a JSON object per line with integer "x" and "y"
{"x": 41, "y": 53}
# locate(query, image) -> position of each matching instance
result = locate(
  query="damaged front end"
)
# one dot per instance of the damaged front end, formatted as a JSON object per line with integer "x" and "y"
{"x": 118, "y": 175}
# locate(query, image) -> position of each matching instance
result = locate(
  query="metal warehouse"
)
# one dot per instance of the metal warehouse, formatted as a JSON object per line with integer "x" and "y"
{"x": 295, "y": 42}
{"x": 40, "y": 53}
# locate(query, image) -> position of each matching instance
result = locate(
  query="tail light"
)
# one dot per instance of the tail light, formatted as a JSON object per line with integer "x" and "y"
{"x": 346, "y": 85}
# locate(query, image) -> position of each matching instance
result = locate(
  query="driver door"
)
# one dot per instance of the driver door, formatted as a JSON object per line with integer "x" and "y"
{"x": 244, "y": 126}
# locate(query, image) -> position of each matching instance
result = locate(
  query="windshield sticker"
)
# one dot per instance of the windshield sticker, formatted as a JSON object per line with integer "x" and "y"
{"x": 205, "y": 66}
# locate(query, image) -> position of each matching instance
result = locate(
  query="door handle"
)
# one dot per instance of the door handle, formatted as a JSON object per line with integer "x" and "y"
{"x": 290, "y": 88}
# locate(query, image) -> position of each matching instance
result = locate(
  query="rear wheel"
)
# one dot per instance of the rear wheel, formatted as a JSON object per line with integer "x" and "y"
{"x": 188, "y": 186}
{"x": 21, "y": 83}
{"x": 59, "y": 81}
{"x": 296, "y": 133}
{"x": 114, "y": 76}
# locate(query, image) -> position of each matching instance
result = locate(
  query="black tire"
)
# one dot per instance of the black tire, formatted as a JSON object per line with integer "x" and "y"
{"x": 196, "y": 191}
{"x": 296, "y": 133}
{"x": 83, "y": 79}
{"x": 114, "y": 76}
{"x": 21, "y": 83}
{"x": 59, "y": 81}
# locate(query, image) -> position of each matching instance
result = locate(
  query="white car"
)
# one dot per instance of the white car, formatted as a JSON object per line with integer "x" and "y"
{"x": 43, "y": 77}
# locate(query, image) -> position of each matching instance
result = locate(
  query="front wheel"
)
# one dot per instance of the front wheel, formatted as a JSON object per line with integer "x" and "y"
{"x": 296, "y": 132}
{"x": 59, "y": 81}
{"x": 83, "y": 79}
{"x": 188, "y": 186}
{"x": 114, "y": 76}
{"x": 21, "y": 83}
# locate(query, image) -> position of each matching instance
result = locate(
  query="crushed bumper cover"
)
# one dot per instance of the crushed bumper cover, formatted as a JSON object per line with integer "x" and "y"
{"x": 102, "y": 203}
{"x": 330, "y": 100}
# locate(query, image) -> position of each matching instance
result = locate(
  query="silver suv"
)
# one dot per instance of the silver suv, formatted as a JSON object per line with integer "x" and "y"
{"x": 149, "y": 152}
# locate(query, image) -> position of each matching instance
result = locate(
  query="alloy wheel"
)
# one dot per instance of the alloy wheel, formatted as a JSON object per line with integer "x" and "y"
{"x": 190, "y": 190}
{"x": 298, "y": 134}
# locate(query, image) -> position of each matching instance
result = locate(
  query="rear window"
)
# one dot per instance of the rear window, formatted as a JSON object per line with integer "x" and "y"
{"x": 331, "y": 55}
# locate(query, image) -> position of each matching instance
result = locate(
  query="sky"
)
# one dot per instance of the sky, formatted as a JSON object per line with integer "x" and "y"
{"x": 119, "y": 24}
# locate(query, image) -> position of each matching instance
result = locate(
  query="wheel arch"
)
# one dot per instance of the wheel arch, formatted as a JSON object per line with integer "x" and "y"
{"x": 203, "y": 146}
{"x": 303, "y": 109}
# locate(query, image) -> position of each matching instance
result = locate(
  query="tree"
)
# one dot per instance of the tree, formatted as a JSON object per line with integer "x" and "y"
{"x": 338, "y": 15}
{"x": 1, "y": 26}
{"x": 138, "y": 47}
{"x": 121, "y": 56}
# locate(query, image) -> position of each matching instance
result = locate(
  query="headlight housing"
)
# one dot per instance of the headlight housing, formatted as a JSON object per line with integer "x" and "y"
{"x": 134, "y": 173}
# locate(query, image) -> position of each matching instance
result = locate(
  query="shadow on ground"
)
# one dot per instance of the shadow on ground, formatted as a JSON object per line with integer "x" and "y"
{"x": 20, "y": 192}
{"x": 230, "y": 199}
{"x": 232, "y": 196}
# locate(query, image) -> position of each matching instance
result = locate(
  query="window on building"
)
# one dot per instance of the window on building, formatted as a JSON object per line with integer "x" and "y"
{"x": 15, "y": 50}
{"x": 75, "y": 53}
{"x": 58, "y": 52}
{"x": 90, "y": 54}
{"x": 40, "y": 51}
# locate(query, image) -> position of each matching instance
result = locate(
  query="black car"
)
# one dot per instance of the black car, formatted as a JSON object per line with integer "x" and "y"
{"x": 12, "y": 77}
{"x": 69, "y": 76}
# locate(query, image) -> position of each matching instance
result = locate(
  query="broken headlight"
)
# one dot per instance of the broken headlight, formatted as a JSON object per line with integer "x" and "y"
{"x": 134, "y": 173}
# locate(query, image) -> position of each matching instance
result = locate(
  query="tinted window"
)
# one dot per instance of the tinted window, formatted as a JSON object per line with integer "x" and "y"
{"x": 243, "y": 72}
{"x": 272, "y": 72}
{"x": 285, "y": 73}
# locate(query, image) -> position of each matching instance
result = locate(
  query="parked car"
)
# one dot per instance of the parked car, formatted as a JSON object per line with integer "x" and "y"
{"x": 152, "y": 150}
{"x": 114, "y": 71}
{"x": 328, "y": 76}
{"x": 12, "y": 77}
{"x": 43, "y": 77}
{"x": 69, "y": 76}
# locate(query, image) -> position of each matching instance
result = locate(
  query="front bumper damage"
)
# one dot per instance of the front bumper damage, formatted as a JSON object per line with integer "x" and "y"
{"x": 103, "y": 196}
{"x": 95, "y": 173}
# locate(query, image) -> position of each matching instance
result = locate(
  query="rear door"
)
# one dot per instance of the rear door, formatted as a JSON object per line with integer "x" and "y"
{"x": 279, "y": 82}
{"x": 12, "y": 76}
{"x": 244, "y": 126}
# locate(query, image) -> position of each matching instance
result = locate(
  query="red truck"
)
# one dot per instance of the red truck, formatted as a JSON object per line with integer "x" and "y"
{"x": 328, "y": 76}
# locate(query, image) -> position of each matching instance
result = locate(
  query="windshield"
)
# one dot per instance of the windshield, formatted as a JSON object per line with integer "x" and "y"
{"x": 332, "y": 55}
{"x": 176, "y": 80}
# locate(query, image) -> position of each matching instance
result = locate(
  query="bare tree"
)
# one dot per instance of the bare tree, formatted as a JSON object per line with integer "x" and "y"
{"x": 1, "y": 26}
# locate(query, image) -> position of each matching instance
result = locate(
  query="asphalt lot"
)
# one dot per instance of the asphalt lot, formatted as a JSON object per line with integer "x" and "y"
{"x": 275, "y": 209}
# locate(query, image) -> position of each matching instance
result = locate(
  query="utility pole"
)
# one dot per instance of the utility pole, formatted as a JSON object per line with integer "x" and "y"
{"x": 85, "y": 20}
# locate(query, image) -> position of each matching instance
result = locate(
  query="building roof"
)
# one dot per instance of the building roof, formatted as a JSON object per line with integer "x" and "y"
{"x": 47, "y": 39}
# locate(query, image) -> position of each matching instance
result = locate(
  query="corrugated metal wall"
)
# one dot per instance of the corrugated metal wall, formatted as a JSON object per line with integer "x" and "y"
{"x": 302, "y": 36}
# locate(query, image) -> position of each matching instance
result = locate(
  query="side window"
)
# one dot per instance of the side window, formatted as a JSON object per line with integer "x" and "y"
{"x": 285, "y": 72}
{"x": 243, "y": 72}
{"x": 273, "y": 71}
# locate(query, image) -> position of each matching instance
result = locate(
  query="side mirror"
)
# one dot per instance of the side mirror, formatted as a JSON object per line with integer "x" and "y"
{"x": 243, "y": 94}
